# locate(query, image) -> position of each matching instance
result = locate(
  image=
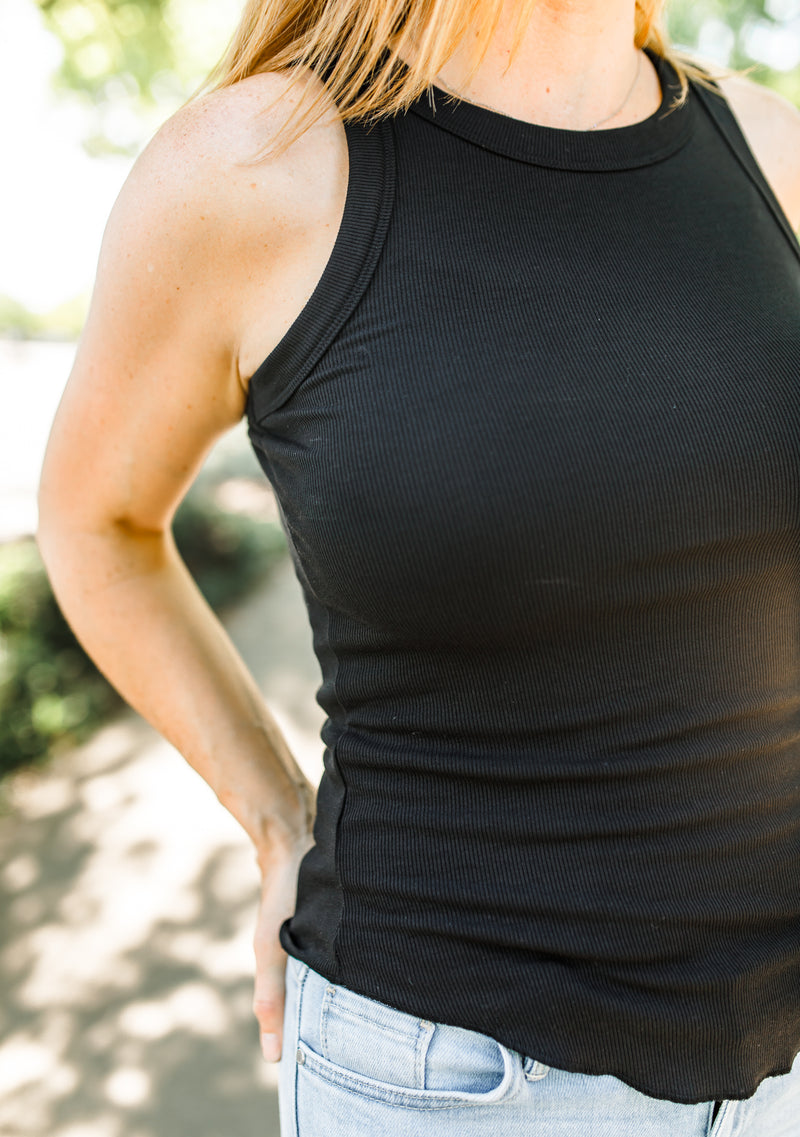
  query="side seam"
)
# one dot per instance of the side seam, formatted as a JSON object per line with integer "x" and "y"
{"x": 342, "y": 807}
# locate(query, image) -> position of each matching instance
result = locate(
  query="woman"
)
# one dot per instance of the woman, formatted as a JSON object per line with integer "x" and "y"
{"x": 520, "y": 363}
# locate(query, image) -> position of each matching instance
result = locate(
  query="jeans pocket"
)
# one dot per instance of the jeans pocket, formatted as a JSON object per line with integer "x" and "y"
{"x": 372, "y": 1050}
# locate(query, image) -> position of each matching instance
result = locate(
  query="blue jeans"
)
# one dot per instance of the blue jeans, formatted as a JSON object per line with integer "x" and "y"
{"x": 353, "y": 1067}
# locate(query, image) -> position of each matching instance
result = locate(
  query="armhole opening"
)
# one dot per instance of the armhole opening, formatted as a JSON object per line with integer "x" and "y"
{"x": 358, "y": 245}
{"x": 723, "y": 117}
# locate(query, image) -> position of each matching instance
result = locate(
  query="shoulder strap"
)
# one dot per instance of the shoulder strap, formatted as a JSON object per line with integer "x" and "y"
{"x": 365, "y": 222}
{"x": 724, "y": 119}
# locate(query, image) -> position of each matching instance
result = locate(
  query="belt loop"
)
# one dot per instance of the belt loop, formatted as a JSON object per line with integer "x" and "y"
{"x": 534, "y": 1070}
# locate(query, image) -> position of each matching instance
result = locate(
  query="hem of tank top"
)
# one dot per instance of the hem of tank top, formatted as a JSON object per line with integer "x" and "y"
{"x": 722, "y": 117}
{"x": 368, "y": 207}
{"x": 551, "y": 1058}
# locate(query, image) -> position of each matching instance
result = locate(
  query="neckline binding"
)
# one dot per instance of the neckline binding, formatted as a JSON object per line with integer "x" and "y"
{"x": 620, "y": 148}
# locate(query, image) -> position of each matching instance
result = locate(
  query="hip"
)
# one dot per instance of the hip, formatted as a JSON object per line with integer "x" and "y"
{"x": 353, "y": 1066}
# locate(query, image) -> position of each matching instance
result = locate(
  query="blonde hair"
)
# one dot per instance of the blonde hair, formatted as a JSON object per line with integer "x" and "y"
{"x": 358, "y": 46}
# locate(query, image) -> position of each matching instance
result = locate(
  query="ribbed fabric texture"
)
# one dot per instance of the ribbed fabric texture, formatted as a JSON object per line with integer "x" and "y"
{"x": 536, "y": 443}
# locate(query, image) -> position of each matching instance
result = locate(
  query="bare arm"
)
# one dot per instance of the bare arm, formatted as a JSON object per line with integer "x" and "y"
{"x": 155, "y": 382}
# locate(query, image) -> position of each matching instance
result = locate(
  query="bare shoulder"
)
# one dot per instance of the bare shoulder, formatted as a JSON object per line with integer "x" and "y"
{"x": 233, "y": 225}
{"x": 771, "y": 125}
{"x": 210, "y": 146}
{"x": 207, "y": 256}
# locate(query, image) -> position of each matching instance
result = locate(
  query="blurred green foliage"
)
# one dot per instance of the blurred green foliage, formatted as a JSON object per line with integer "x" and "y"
{"x": 739, "y": 25}
{"x": 687, "y": 17}
{"x": 140, "y": 53}
{"x": 116, "y": 54}
{"x": 227, "y": 553}
{"x": 132, "y": 62}
{"x": 63, "y": 322}
{"x": 51, "y": 694}
{"x": 112, "y": 41}
{"x": 49, "y": 688}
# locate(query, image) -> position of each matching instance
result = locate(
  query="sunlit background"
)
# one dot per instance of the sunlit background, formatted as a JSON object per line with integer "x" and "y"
{"x": 84, "y": 83}
{"x": 127, "y": 894}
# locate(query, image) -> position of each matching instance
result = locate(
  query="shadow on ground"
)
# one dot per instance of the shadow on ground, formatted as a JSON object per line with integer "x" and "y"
{"x": 128, "y": 897}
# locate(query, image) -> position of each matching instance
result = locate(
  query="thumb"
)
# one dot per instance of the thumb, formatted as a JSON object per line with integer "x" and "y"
{"x": 268, "y": 1003}
{"x": 278, "y": 892}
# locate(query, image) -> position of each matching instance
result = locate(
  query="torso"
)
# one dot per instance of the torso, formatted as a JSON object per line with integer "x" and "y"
{"x": 272, "y": 290}
{"x": 534, "y": 442}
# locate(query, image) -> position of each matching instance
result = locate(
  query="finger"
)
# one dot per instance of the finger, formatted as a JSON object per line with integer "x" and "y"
{"x": 268, "y": 1005}
{"x": 278, "y": 894}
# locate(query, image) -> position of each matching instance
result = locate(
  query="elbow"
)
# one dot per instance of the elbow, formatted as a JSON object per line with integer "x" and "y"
{"x": 54, "y": 524}
{"x": 52, "y": 513}
{"x": 46, "y": 529}
{"x": 85, "y": 536}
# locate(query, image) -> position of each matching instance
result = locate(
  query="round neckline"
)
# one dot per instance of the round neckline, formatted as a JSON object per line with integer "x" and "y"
{"x": 625, "y": 147}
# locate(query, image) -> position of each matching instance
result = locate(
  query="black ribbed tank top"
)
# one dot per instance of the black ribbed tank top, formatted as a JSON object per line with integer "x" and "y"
{"x": 536, "y": 443}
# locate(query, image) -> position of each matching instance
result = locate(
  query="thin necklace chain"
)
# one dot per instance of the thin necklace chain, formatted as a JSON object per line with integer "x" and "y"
{"x": 594, "y": 125}
{"x": 621, "y": 108}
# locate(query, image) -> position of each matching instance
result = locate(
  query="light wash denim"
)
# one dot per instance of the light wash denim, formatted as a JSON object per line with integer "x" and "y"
{"x": 353, "y": 1067}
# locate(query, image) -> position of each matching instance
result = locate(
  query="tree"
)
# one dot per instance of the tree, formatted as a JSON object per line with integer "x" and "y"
{"x": 741, "y": 33}
{"x": 134, "y": 61}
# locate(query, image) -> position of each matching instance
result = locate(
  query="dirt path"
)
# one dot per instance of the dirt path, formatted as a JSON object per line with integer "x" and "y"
{"x": 127, "y": 897}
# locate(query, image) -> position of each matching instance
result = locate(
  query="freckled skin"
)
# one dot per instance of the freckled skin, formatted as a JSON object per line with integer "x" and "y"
{"x": 196, "y": 297}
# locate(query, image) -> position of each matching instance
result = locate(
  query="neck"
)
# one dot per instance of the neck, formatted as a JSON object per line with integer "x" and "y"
{"x": 574, "y": 67}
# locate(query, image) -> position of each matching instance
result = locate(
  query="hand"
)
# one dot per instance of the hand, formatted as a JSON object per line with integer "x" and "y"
{"x": 279, "y": 868}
